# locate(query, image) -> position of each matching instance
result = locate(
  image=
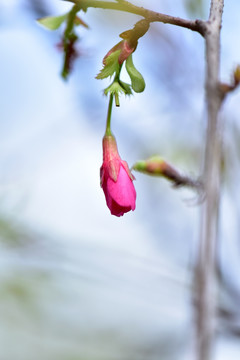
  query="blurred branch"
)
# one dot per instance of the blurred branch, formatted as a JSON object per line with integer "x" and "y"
{"x": 226, "y": 88}
{"x": 38, "y": 7}
{"x": 151, "y": 16}
{"x": 206, "y": 267}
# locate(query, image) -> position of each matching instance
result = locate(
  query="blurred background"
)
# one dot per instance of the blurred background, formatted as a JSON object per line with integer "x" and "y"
{"x": 75, "y": 282}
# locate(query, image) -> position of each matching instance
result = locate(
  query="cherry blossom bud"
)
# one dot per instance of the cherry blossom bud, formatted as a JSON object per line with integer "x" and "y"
{"x": 116, "y": 179}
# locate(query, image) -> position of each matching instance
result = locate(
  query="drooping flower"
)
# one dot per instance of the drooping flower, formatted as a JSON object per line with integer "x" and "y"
{"x": 116, "y": 179}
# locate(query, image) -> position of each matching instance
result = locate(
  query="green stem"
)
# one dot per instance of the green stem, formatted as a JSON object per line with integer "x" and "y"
{"x": 71, "y": 18}
{"x": 109, "y": 114}
{"x": 69, "y": 39}
{"x": 118, "y": 72}
{"x": 117, "y": 102}
{"x": 117, "y": 78}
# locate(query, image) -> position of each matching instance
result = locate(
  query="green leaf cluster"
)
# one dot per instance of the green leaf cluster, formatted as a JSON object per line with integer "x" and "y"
{"x": 111, "y": 66}
{"x": 69, "y": 38}
{"x": 118, "y": 87}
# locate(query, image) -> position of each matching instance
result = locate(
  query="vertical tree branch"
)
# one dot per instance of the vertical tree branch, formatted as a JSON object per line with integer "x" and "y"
{"x": 206, "y": 266}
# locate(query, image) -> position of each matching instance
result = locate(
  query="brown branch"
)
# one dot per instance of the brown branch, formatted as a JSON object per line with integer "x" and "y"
{"x": 206, "y": 268}
{"x": 151, "y": 16}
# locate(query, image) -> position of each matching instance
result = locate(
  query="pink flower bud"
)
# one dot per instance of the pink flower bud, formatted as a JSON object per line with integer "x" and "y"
{"x": 125, "y": 48}
{"x": 116, "y": 179}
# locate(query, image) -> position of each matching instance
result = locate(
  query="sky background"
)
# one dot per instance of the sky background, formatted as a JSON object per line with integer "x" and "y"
{"x": 77, "y": 282}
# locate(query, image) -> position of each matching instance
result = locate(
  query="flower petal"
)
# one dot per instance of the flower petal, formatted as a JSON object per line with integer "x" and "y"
{"x": 113, "y": 168}
{"x": 117, "y": 209}
{"x": 122, "y": 191}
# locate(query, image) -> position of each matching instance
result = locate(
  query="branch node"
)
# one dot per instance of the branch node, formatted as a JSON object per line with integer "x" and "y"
{"x": 201, "y": 26}
{"x": 226, "y": 88}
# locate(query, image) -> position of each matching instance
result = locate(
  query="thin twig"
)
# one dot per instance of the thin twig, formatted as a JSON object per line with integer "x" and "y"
{"x": 206, "y": 268}
{"x": 151, "y": 16}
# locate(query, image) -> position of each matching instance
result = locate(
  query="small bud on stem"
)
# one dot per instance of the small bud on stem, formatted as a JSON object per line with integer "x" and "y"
{"x": 156, "y": 166}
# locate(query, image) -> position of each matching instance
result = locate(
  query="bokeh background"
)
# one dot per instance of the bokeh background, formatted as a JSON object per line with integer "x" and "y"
{"x": 75, "y": 282}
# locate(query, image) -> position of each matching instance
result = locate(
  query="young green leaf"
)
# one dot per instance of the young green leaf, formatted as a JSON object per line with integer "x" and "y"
{"x": 111, "y": 65}
{"x": 114, "y": 88}
{"x": 126, "y": 87}
{"x": 138, "y": 83}
{"x": 117, "y": 88}
{"x": 78, "y": 21}
{"x": 52, "y": 22}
